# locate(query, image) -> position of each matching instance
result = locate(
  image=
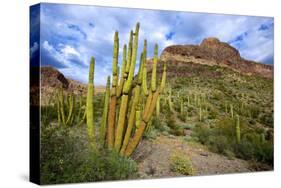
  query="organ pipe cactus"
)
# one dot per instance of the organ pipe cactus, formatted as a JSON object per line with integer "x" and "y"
{"x": 105, "y": 112}
{"x": 90, "y": 103}
{"x": 65, "y": 108}
{"x": 113, "y": 98}
{"x": 124, "y": 99}
{"x": 126, "y": 112}
{"x": 148, "y": 110}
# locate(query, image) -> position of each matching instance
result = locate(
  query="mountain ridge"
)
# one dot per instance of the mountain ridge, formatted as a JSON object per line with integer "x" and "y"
{"x": 212, "y": 52}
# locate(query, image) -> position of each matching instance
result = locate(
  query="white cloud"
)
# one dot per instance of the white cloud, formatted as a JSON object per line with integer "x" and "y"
{"x": 79, "y": 32}
{"x": 34, "y": 48}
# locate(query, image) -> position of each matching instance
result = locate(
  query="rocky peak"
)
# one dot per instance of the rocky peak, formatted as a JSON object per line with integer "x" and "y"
{"x": 212, "y": 52}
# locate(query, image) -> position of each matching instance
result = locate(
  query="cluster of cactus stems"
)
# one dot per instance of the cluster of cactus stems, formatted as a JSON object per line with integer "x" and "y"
{"x": 130, "y": 103}
{"x": 67, "y": 112}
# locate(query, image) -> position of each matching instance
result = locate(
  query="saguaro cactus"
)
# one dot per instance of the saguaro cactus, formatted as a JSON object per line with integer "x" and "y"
{"x": 90, "y": 103}
{"x": 237, "y": 128}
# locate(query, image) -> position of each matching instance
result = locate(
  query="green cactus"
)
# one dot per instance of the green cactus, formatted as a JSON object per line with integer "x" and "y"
{"x": 125, "y": 92}
{"x": 105, "y": 112}
{"x": 158, "y": 107}
{"x": 113, "y": 97}
{"x": 181, "y": 107}
{"x": 123, "y": 72}
{"x": 65, "y": 108}
{"x": 150, "y": 105}
{"x": 144, "y": 74}
{"x": 237, "y": 129}
{"x": 90, "y": 103}
{"x": 127, "y": 97}
{"x": 231, "y": 111}
{"x": 200, "y": 113}
{"x": 153, "y": 76}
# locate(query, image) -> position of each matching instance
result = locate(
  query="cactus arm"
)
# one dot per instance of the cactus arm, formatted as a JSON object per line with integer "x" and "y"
{"x": 128, "y": 82}
{"x": 121, "y": 122}
{"x": 154, "y": 69}
{"x": 158, "y": 107}
{"x": 70, "y": 112}
{"x": 90, "y": 103}
{"x": 105, "y": 112}
{"x": 163, "y": 80}
{"x": 124, "y": 98}
{"x": 123, "y": 75}
{"x": 139, "y": 132}
{"x": 129, "y": 57}
{"x": 113, "y": 98}
{"x": 61, "y": 99}
{"x": 58, "y": 108}
{"x": 135, "y": 103}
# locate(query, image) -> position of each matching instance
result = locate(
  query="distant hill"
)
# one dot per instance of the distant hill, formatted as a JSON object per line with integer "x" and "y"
{"x": 213, "y": 52}
{"x": 52, "y": 80}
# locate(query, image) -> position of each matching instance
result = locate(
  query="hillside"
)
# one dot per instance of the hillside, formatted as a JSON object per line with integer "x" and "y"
{"x": 215, "y": 116}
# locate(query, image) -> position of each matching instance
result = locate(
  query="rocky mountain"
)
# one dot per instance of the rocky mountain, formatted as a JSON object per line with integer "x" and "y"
{"x": 51, "y": 80}
{"x": 213, "y": 52}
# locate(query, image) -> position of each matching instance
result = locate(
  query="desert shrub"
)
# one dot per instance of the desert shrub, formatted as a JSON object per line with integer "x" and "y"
{"x": 219, "y": 144}
{"x": 150, "y": 133}
{"x": 182, "y": 116}
{"x": 254, "y": 147}
{"x": 181, "y": 164}
{"x": 221, "y": 139}
{"x": 48, "y": 114}
{"x": 175, "y": 129}
{"x": 67, "y": 158}
{"x": 202, "y": 133}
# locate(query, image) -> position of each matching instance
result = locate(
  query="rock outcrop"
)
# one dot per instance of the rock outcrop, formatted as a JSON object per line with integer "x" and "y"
{"x": 212, "y": 52}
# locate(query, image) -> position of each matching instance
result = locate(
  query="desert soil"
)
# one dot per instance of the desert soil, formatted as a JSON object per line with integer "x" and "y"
{"x": 153, "y": 157}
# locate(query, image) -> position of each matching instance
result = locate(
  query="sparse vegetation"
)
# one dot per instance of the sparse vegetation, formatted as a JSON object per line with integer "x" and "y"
{"x": 181, "y": 164}
{"x": 229, "y": 113}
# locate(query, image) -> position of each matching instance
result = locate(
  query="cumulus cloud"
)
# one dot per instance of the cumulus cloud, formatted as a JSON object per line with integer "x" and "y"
{"x": 71, "y": 34}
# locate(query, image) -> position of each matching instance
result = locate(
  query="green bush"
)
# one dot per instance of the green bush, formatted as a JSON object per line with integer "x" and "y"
{"x": 181, "y": 164}
{"x": 221, "y": 139}
{"x": 67, "y": 158}
{"x": 175, "y": 129}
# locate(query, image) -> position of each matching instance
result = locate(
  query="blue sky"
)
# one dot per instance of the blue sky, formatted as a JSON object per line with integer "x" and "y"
{"x": 71, "y": 34}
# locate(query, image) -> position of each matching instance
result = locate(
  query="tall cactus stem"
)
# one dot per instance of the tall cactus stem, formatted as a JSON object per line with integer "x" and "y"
{"x": 90, "y": 103}
{"x": 105, "y": 113}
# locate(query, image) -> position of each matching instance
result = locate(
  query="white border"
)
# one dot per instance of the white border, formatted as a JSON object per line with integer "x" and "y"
{"x": 14, "y": 127}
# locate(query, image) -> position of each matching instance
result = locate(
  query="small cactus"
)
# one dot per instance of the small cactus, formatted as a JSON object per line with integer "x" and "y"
{"x": 237, "y": 128}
